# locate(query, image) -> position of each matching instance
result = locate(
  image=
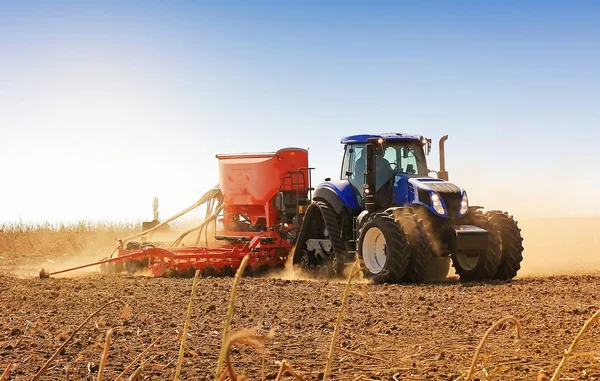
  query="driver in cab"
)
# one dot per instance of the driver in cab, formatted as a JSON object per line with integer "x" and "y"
{"x": 382, "y": 167}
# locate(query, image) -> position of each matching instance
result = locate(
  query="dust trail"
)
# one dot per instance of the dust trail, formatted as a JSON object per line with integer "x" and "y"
{"x": 560, "y": 246}
{"x": 290, "y": 273}
{"x": 553, "y": 246}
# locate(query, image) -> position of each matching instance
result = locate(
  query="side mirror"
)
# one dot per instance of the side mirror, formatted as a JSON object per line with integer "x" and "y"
{"x": 426, "y": 146}
{"x": 349, "y": 173}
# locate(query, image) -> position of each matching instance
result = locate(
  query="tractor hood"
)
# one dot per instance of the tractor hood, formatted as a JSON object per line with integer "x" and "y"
{"x": 441, "y": 197}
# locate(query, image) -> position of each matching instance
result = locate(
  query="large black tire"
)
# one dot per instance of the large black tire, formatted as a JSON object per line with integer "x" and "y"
{"x": 419, "y": 243}
{"x": 512, "y": 244}
{"x": 437, "y": 266}
{"x": 321, "y": 222}
{"x": 384, "y": 249}
{"x": 484, "y": 264}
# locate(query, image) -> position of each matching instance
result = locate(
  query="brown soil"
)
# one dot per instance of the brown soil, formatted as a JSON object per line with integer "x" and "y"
{"x": 419, "y": 332}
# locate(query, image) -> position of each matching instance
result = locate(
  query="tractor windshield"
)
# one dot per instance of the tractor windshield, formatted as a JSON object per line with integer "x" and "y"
{"x": 400, "y": 157}
{"x": 406, "y": 158}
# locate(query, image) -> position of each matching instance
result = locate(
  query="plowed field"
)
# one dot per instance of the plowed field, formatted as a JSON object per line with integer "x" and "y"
{"x": 416, "y": 332}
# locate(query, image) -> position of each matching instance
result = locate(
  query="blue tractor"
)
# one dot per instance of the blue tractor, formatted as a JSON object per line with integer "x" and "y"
{"x": 404, "y": 225}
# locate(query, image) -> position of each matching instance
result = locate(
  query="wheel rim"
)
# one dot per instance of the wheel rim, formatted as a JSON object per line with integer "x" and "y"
{"x": 374, "y": 250}
{"x": 466, "y": 261}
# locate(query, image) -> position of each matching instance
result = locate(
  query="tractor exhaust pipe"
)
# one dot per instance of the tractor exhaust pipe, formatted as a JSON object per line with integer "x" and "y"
{"x": 442, "y": 173}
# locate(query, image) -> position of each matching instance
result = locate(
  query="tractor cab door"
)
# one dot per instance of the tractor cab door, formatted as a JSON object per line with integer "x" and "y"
{"x": 354, "y": 167}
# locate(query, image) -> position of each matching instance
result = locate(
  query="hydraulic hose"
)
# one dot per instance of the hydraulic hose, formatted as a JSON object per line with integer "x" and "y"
{"x": 214, "y": 193}
{"x": 204, "y": 223}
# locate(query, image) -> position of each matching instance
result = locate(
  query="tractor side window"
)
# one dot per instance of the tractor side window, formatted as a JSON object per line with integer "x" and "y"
{"x": 358, "y": 165}
{"x": 347, "y": 162}
{"x": 391, "y": 155}
{"x": 409, "y": 161}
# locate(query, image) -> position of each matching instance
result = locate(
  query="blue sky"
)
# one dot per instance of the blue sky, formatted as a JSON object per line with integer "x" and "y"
{"x": 104, "y": 105}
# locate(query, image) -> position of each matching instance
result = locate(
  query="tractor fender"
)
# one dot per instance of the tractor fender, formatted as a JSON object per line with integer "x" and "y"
{"x": 339, "y": 194}
{"x": 330, "y": 197}
{"x": 390, "y": 211}
{"x": 364, "y": 217}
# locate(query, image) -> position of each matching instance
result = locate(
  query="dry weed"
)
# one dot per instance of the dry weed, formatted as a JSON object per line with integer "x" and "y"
{"x": 286, "y": 368}
{"x": 247, "y": 337}
{"x": 353, "y": 271}
{"x": 571, "y": 351}
{"x": 484, "y": 339}
{"x": 64, "y": 344}
{"x": 6, "y": 373}
{"x": 186, "y": 325}
{"x": 236, "y": 282}
{"x": 105, "y": 354}
{"x": 131, "y": 364}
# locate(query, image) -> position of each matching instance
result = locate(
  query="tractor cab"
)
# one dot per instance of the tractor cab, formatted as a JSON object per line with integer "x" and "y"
{"x": 396, "y": 158}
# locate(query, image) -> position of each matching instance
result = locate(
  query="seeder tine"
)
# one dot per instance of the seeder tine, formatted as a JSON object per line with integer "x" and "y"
{"x": 44, "y": 274}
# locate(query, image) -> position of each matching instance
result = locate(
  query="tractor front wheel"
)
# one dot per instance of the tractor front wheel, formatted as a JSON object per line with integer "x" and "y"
{"x": 384, "y": 249}
{"x": 419, "y": 242}
{"x": 512, "y": 244}
{"x": 482, "y": 264}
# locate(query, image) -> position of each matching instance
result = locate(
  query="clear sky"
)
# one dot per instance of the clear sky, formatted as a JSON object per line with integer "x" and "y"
{"x": 104, "y": 105}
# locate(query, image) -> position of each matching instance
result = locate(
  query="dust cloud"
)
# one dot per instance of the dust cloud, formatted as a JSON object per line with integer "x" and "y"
{"x": 553, "y": 246}
{"x": 560, "y": 246}
{"x": 290, "y": 272}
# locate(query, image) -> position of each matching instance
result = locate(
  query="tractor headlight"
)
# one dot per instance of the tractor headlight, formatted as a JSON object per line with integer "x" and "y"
{"x": 436, "y": 202}
{"x": 464, "y": 204}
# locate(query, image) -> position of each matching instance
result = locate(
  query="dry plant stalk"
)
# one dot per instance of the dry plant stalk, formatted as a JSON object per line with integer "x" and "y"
{"x": 131, "y": 364}
{"x": 281, "y": 371}
{"x": 355, "y": 269}
{"x": 186, "y": 325}
{"x": 47, "y": 363}
{"x": 137, "y": 374}
{"x": 358, "y": 354}
{"x": 570, "y": 352}
{"x": 247, "y": 337}
{"x": 484, "y": 339}
{"x": 236, "y": 282}
{"x": 6, "y": 373}
{"x": 104, "y": 354}
{"x": 262, "y": 365}
{"x": 286, "y": 368}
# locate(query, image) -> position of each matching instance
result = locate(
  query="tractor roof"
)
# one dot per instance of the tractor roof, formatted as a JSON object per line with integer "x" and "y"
{"x": 390, "y": 136}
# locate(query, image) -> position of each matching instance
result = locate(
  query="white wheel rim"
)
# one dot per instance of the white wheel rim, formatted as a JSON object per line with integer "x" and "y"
{"x": 467, "y": 262}
{"x": 374, "y": 250}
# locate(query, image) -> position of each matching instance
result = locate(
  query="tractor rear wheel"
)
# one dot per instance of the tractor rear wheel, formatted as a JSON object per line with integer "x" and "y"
{"x": 512, "y": 244}
{"x": 419, "y": 242}
{"x": 483, "y": 264}
{"x": 384, "y": 249}
{"x": 321, "y": 222}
